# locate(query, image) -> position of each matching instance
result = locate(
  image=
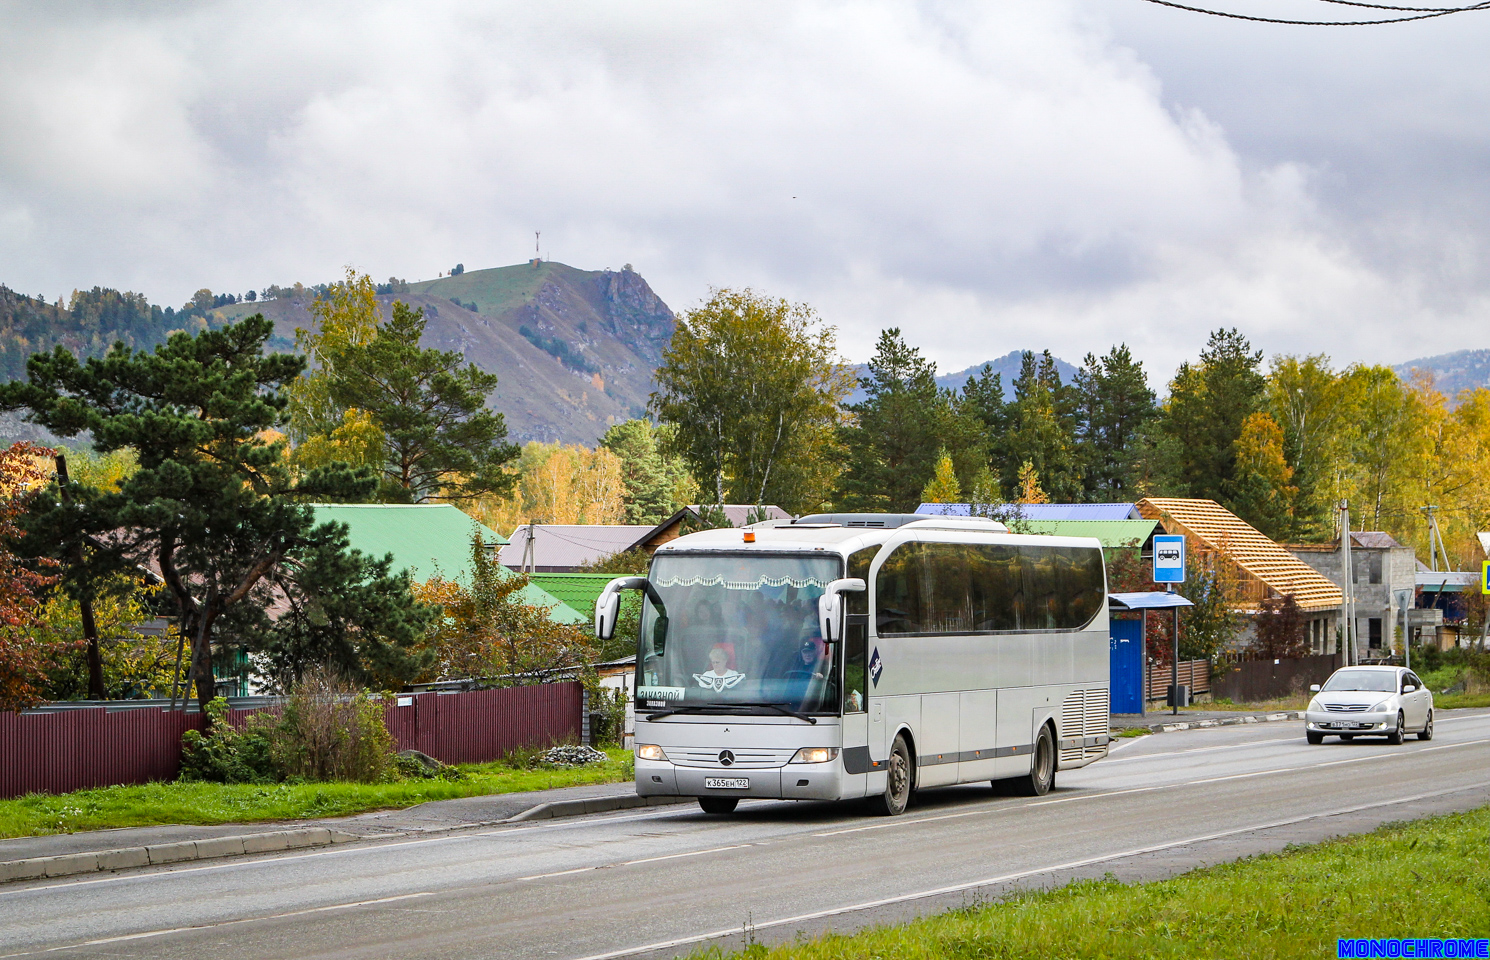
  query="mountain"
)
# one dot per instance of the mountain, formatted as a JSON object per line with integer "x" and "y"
{"x": 1007, "y": 365}
{"x": 574, "y": 350}
{"x": 1452, "y": 372}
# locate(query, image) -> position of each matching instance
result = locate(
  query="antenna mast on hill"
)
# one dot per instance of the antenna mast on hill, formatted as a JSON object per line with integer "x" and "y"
{"x": 537, "y": 255}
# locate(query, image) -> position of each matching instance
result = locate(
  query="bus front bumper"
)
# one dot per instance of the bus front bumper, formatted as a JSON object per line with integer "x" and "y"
{"x": 794, "y": 781}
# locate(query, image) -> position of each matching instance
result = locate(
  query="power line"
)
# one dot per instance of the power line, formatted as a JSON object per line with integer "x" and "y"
{"x": 1418, "y": 13}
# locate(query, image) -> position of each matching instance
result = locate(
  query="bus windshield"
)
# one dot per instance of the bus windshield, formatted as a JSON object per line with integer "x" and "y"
{"x": 737, "y": 630}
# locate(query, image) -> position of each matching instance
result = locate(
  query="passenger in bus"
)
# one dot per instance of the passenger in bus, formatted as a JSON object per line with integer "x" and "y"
{"x": 721, "y": 674}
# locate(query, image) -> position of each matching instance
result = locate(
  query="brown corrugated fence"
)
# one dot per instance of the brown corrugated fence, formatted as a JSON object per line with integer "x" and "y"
{"x": 70, "y": 750}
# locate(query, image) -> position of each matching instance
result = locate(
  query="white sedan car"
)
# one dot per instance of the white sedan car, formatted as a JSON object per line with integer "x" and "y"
{"x": 1371, "y": 701}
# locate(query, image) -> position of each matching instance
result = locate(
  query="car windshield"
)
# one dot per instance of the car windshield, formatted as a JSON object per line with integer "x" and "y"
{"x": 1371, "y": 681}
{"x": 737, "y": 630}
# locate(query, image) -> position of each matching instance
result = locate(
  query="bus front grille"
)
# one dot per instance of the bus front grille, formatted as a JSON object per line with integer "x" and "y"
{"x": 742, "y": 758}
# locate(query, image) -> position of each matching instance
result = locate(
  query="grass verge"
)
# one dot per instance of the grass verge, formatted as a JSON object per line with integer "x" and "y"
{"x": 1452, "y": 701}
{"x": 1426, "y": 878}
{"x": 166, "y": 803}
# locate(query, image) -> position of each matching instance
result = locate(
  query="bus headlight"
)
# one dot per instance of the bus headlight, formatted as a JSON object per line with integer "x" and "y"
{"x": 814, "y": 755}
{"x": 649, "y": 751}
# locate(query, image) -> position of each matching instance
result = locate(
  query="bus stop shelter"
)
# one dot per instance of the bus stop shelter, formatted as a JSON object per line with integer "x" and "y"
{"x": 1129, "y": 644}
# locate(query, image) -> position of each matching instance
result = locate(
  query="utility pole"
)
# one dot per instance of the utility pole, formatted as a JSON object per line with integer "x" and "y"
{"x": 1435, "y": 540}
{"x": 85, "y": 599}
{"x": 1347, "y": 579}
{"x": 529, "y": 559}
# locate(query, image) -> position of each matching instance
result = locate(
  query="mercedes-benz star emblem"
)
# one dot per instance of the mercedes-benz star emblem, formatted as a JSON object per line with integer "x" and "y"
{"x": 726, "y": 758}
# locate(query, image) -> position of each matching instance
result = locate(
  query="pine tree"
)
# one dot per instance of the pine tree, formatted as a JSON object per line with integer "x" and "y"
{"x": 901, "y": 430}
{"x": 214, "y": 505}
{"x": 1115, "y": 406}
{"x": 1041, "y": 429}
{"x": 1208, "y": 402}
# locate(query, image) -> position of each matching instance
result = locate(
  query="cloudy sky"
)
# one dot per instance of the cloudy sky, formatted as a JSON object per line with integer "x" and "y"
{"x": 987, "y": 174}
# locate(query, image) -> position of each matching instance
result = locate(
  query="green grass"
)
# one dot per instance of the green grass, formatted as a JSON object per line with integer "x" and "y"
{"x": 206, "y": 803}
{"x": 1453, "y": 701}
{"x": 1134, "y": 732}
{"x": 1427, "y": 878}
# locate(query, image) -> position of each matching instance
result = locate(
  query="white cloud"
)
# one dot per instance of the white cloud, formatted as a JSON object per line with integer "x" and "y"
{"x": 986, "y": 176}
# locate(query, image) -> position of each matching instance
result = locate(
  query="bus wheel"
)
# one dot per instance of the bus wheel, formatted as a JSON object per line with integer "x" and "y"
{"x": 1042, "y": 767}
{"x": 898, "y": 773}
{"x": 719, "y": 804}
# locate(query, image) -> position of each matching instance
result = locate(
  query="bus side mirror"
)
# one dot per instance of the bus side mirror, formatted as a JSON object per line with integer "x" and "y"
{"x": 608, "y": 604}
{"x": 830, "y": 605}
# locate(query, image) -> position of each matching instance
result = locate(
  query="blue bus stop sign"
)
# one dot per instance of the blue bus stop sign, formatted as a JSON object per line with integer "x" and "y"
{"x": 1169, "y": 559}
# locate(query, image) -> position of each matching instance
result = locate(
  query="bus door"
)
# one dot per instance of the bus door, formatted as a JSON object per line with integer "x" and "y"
{"x": 856, "y": 741}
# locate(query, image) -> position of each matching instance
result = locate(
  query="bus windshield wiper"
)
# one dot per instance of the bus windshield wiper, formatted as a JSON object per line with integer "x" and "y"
{"x": 727, "y": 708}
{"x": 784, "y": 710}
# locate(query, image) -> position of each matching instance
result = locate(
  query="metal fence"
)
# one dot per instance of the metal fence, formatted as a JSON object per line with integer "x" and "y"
{"x": 54, "y": 751}
{"x": 1253, "y": 680}
{"x": 1195, "y": 674}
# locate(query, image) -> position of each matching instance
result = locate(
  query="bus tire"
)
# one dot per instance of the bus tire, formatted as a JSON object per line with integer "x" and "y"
{"x": 1042, "y": 766}
{"x": 719, "y": 804}
{"x": 900, "y": 775}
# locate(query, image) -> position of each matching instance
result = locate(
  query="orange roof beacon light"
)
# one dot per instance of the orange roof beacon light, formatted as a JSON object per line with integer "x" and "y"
{"x": 749, "y": 536}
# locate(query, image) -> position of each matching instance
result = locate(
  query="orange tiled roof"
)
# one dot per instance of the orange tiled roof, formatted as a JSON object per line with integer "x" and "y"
{"x": 1257, "y": 557}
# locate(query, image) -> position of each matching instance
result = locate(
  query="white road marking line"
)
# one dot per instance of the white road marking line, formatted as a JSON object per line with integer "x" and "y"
{"x": 545, "y": 876}
{"x": 1226, "y": 746}
{"x": 1105, "y": 793}
{"x": 691, "y": 853}
{"x": 222, "y": 923}
{"x": 956, "y": 888}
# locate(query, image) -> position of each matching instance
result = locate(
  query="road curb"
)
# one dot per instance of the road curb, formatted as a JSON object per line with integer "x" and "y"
{"x": 1226, "y": 722}
{"x": 72, "y": 864}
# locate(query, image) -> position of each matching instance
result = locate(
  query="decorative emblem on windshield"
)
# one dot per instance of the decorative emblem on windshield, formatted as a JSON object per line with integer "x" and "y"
{"x": 721, "y": 674}
{"x": 876, "y": 667}
{"x": 726, "y": 758}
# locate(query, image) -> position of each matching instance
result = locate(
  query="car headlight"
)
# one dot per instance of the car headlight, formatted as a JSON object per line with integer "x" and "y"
{"x": 814, "y": 755}
{"x": 1314, "y": 707}
{"x": 649, "y": 751}
{"x": 1384, "y": 706}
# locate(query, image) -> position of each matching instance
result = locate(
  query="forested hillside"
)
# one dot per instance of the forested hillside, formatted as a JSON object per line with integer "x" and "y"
{"x": 573, "y": 350}
{"x": 90, "y": 323}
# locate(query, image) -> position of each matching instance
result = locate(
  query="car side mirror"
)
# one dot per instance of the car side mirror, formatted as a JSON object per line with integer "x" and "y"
{"x": 1313, "y": 688}
{"x": 1409, "y": 688}
{"x": 830, "y": 605}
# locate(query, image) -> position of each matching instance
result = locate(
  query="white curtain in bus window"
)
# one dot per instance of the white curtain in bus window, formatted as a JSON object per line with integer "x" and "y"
{"x": 942, "y": 588}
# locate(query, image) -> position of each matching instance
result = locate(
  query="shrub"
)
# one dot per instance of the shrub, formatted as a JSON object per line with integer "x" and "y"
{"x": 331, "y": 730}
{"x": 228, "y": 755}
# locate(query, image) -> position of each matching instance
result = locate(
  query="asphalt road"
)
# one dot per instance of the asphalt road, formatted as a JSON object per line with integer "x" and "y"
{"x": 664, "y": 881}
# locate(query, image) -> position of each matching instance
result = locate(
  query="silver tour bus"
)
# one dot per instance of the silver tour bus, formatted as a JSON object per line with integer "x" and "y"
{"x": 865, "y": 655}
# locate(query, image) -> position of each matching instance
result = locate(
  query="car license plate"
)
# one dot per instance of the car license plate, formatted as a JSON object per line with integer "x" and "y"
{"x": 727, "y": 783}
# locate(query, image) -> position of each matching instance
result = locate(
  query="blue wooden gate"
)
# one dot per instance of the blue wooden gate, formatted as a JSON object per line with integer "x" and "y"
{"x": 1127, "y": 665}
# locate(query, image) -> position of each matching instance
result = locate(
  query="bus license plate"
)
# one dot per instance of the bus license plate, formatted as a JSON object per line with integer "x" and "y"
{"x": 727, "y": 783}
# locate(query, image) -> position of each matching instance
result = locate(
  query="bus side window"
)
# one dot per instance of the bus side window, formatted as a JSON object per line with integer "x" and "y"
{"x": 897, "y": 591}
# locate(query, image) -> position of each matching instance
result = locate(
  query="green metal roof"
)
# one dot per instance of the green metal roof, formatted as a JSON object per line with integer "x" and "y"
{"x": 428, "y": 539}
{"x": 576, "y": 590}
{"x": 1111, "y": 533}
